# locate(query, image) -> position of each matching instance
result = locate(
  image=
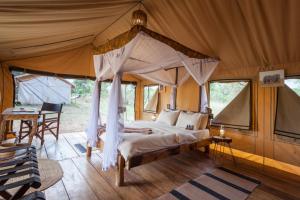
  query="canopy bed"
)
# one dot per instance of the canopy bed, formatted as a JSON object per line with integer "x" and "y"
{"x": 152, "y": 56}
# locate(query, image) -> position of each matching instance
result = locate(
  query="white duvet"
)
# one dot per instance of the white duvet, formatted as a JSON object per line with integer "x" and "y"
{"x": 162, "y": 136}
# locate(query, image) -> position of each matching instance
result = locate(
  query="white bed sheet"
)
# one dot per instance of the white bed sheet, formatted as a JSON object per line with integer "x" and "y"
{"x": 162, "y": 136}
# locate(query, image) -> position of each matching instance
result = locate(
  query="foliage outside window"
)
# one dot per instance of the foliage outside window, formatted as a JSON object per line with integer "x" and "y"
{"x": 294, "y": 84}
{"x": 151, "y": 98}
{"x": 128, "y": 93}
{"x": 230, "y": 103}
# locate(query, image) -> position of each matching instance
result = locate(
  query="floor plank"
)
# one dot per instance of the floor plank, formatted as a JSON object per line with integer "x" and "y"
{"x": 57, "y": 190}
{"x": 73, "y": 139}
{"x": 84, "y": 178}
{"x": 41, "y": 152}
{"x": 95, "y": 180}
{"x": 58, "y": 150}
{"x": 129, "y": 191}
{"x": 154, "y": 175}
{"x": 76, "y": 186}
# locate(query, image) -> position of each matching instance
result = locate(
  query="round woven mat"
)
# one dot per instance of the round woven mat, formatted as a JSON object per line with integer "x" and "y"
{"x": 50, "y": 173}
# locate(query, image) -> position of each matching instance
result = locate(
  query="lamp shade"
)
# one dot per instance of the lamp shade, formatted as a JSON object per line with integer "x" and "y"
{"x": 139, "y": 17}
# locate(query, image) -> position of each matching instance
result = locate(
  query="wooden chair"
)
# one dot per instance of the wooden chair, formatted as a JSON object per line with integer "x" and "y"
{"x": 48, "y": 121}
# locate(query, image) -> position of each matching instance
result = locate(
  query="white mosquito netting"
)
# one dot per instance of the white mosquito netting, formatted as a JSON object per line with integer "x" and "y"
{"x": 149, "y": 58}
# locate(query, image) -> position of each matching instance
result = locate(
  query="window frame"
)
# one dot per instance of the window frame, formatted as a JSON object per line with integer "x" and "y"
{"x": 233, "y": 126}
{"x": 274, "y": 128}
{"x": 150, "y": 111}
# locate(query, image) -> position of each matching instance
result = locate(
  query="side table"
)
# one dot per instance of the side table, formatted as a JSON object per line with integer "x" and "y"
{"x": 220, "y": 143}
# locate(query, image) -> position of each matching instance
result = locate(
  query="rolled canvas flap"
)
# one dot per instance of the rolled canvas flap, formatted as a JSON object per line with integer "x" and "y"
{"x": 237, "y": 113}
{"x": 288, "y": 112}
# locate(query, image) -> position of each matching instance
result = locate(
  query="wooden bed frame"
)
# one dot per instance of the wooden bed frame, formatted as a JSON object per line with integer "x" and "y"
{"x": 152, "y": 156}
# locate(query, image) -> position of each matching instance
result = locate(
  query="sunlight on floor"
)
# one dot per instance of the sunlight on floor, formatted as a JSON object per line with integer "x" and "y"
{"x": 263, "y": 160}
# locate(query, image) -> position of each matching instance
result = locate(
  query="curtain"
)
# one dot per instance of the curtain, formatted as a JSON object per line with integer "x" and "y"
{"x": 94, "y": 120}
{"x": 201, "y": 70}
{"x": 203, "y": 99}
{"x": 115, "y": 60}
{"x": 93, "y": 123}
{"x": 163, "y": 77}
{"x": 114, "y": 123}
{"x": 173, "y": 96}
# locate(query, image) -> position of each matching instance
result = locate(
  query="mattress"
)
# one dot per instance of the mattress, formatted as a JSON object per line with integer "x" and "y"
{"x": 163, "y": 136}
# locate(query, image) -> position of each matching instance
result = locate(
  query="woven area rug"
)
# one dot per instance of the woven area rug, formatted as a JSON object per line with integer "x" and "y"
{"x": 50, "y": 173}
{"x": 220, "y": 184}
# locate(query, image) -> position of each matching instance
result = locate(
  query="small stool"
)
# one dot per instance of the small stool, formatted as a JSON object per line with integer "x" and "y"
{"x": 219, "y": 143}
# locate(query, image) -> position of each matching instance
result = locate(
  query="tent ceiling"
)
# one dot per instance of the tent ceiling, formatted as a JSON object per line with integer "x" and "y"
{"x": 30, "y": 28}
{"x": 241, "y": 33}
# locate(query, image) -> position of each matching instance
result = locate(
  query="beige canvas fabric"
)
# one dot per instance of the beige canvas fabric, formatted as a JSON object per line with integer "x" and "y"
{"x": 243, "y": 34}
{"x": 32, "y": 28}
{"x": 153, "y": 103}
{"x": 237, "y": 113}
{"x": 74, "y": 62}
{"x": 287, "y": 117}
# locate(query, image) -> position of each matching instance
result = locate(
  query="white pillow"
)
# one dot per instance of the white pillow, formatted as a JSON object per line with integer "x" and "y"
{"x": 168, "y": 117}
{"x": 203, "y": 121}
{"x": 185, "y": 119}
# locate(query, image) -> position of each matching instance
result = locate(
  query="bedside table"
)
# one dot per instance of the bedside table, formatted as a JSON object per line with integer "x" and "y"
{"x": 221, "y": 143}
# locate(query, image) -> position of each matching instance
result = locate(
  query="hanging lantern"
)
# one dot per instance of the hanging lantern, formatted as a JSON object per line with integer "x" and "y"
{"x": 139, "y": 17}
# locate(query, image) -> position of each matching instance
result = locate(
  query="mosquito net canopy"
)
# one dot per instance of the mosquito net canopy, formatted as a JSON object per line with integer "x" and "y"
{"x": 142, "y": 52}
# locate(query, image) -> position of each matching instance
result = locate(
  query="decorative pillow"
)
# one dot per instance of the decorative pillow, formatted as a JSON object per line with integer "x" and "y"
{"x": 168, "y": 117}
{"x": 185, "y": 119}
{"x": 203, "y": 121}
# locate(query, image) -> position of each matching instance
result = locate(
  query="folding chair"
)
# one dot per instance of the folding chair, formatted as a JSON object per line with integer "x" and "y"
{"x": 48, "y": 121}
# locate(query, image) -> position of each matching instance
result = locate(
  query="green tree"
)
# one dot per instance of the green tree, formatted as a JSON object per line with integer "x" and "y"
{"x": 82, "y": 87}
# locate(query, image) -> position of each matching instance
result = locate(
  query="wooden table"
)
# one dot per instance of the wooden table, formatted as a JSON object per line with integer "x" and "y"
{"x": 220, "y": 143}
{"x": 11, "y": 114}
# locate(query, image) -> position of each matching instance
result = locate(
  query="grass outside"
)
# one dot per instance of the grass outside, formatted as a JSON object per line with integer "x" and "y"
{"x": 74, "y": 117}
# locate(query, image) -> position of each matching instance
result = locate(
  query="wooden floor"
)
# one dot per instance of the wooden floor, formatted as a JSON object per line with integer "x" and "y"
{"x": 83, "y": 178}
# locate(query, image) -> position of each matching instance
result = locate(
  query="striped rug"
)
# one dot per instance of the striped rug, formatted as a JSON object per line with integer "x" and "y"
{"x": 221, "y": 184}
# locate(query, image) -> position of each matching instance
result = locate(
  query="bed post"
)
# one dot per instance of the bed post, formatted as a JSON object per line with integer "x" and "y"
{"x": 206, "y": 150}
{"x": 88, "y": 150}
{"x": 120, "y": 171}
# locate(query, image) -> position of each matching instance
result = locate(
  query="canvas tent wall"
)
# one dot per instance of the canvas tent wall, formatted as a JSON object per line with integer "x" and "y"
{"x": 34, "y": 90}
{"x": 245, "y": 35}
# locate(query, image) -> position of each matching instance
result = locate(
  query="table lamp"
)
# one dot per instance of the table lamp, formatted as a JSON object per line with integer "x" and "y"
{"x": 222, "y": 131}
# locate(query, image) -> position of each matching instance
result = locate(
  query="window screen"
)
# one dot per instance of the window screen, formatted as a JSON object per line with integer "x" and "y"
{"x": 288, "y": 109}
{"x": 128, "y": 94}
{"x": 230, "y": 102}
{"x": 151, "y": 98}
